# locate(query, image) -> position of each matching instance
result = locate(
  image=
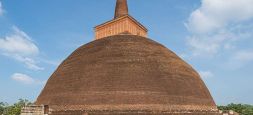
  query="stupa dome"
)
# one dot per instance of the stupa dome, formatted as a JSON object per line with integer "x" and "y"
{"x": 125, "y": 73}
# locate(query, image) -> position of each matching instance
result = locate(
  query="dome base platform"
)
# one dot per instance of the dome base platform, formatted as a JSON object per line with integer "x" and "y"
{"x": 133, "y": 113}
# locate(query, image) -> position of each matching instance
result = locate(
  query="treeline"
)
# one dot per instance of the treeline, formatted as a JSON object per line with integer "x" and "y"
{"x": 242, "y": 109}
{"x": 15, "y": 109}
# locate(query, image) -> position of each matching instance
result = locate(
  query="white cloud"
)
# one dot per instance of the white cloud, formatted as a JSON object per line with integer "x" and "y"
{"x": 18, "y": 43}
{"x": 244, "y": 56}
{"x": 1, "y": 9}
{"x": 25, "y": 79}
{"x": 216, "y": 14}
{"x": 217, "y": 24}
{"x": 206, "y": 74}
{"x": 206, "y": 45}
{"x": 20, "y": 47}
{"x": 29, "y": 62}
{"x": 239, "y": 59}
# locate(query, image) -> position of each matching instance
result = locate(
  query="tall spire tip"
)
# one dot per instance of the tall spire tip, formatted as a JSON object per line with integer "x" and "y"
{"x": 121, "y": 8}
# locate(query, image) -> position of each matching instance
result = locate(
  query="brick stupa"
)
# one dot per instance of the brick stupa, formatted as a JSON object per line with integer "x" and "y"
{"x": 122, "y": 72}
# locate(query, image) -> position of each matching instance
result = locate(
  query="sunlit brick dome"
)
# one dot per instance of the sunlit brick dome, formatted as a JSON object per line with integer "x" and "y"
{"x": 125, "y": 73}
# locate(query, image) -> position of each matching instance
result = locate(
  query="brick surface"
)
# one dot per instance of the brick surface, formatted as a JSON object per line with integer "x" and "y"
{"x": 125, "y": 73}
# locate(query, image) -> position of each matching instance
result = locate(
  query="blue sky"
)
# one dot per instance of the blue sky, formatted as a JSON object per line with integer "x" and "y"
{"x": 214, "y": 36}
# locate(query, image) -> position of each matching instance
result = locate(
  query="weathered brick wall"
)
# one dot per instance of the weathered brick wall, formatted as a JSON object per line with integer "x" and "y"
{"x": 126, "y": 72}
{"x": 228, "y": 113}
{"x": 125, "y": 69}
{"x": 33, "y": 110}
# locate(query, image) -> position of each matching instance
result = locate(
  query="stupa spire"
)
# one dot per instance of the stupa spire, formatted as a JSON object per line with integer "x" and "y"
{"x": 121, "y": 8}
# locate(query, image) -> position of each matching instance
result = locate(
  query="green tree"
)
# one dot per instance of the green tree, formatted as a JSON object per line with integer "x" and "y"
{"x": 15, "y": 109}
{"x": 242, "y": 109}
{"x": 2, "y": 107}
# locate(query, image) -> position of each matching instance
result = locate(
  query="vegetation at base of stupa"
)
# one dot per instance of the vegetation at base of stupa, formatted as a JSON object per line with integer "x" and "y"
{"x": 242, "y": 109}
{"x": 14, "y": 109}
